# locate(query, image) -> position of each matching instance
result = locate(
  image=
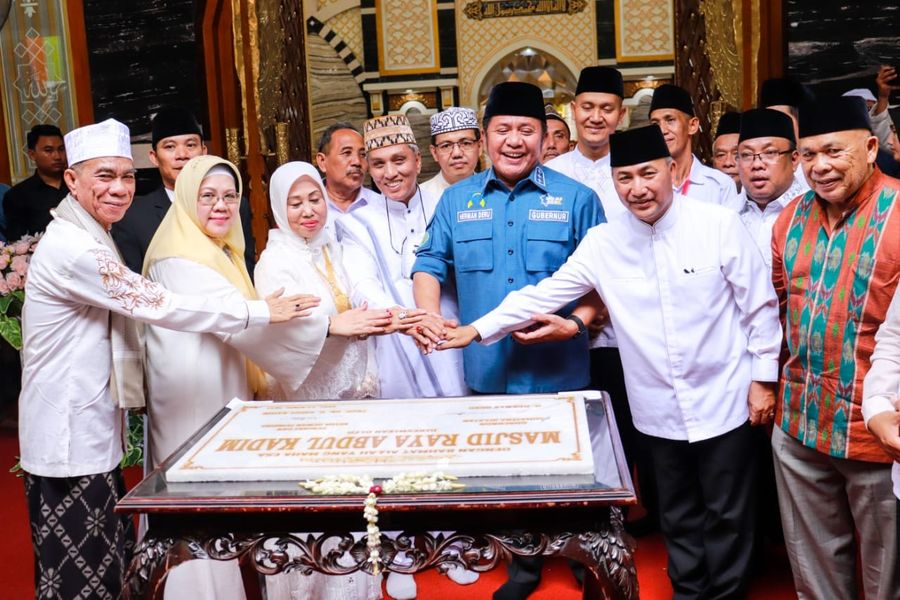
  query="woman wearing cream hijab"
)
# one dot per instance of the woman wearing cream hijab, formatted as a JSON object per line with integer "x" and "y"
{"x": 301, "y": 257}
{"x": 199, "y": 249}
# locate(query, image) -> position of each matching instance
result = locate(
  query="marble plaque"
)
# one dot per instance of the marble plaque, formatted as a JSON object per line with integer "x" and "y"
{"x": 475, "y": 436}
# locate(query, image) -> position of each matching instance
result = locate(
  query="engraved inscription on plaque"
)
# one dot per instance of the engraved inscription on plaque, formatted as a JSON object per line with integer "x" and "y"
{"x": 479, "y": 436}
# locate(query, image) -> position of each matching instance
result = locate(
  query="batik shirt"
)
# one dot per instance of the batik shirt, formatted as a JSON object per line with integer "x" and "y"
{"x": 834, "y": 286}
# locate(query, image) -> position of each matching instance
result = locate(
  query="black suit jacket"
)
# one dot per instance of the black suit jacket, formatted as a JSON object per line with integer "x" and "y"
{"x": 27, "y": 206}
{"x": 136, "y": 229}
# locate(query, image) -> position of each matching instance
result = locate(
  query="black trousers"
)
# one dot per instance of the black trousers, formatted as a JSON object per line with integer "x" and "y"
{"x": 707, "y": 512}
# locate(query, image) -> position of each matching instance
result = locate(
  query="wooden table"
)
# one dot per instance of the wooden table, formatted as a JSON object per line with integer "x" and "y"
{"x": 493, "y": 518}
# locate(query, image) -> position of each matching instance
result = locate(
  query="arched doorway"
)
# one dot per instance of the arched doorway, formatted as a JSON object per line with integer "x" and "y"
{"x": 536, "y": 66}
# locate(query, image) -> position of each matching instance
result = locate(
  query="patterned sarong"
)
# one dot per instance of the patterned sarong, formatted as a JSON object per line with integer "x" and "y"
{"x": 82, "y": 548}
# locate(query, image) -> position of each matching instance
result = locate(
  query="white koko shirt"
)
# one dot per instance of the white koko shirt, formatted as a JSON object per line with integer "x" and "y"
{"x": 694, "y": 311}
{"x": 759, "y": 222}
{"x": 68, "y": 424}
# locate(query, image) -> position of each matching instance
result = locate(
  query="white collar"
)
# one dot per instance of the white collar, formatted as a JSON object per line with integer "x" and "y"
{"x": 358, "y": 202}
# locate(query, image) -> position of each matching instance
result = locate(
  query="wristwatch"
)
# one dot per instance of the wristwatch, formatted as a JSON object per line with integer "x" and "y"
{"x": 581, "y": 327}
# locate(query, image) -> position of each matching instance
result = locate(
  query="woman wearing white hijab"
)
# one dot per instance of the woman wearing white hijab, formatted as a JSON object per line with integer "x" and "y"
{"x": 301, "y": 257}
{"x": 199, "y": 249}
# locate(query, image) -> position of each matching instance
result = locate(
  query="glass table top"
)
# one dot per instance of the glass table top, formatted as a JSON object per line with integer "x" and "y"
{"x": 610, "y": 483}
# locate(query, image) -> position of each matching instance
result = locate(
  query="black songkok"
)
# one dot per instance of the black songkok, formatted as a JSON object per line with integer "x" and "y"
{"x": 784, "y": 92}
{"x": 842, "y": 113}
{"x": 173, "y": 120}
{"x": 730, "y": 122}
{"x": 516, "y": 99}
{"x": 672, "y": 96}
{"x": 636, "y": 146}
{"x": 764, "y": 122}
{"x": 604, "y": 80}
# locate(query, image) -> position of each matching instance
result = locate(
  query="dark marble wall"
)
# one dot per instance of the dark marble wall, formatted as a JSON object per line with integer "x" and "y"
{"x": 143, "y": 55}
{"x": 837, "y": 45}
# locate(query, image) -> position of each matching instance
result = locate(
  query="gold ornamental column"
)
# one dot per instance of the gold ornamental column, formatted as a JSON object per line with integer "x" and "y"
{"x": 271, "y": 67}
{"x": 718, "y": 58}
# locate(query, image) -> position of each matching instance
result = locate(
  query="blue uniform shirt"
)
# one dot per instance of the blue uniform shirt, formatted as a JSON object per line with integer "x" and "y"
{"x": 493, "y": 241}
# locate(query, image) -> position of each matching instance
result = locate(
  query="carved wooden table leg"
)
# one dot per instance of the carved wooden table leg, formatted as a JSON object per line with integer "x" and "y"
{"x": 153, "y": 559}
{"x": 608, "y": 556}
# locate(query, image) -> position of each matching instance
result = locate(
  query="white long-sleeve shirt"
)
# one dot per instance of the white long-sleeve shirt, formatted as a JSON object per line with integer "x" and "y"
{"x": 695, "y": 314}
{"x": 68, "y": 423}
{"x": 597, "y": 175}
{"x": 759, "y": 222}
{"x": 709, "y": 185}
{"x": 882, "y": 383}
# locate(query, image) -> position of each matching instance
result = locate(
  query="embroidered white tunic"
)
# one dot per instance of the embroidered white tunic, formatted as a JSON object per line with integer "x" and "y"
{"x": 707, "y": 184}
{"x": 597, "y": 175}
{"x": 68, "y": 424}
{"x": 379, "y": 243}
{"x": 759, "y": 222}
{"x": 694, "y": 312}
{"x": 342, "y": 369}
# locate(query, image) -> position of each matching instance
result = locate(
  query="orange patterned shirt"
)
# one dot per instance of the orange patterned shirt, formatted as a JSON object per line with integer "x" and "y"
{"x": 834, "y": 286}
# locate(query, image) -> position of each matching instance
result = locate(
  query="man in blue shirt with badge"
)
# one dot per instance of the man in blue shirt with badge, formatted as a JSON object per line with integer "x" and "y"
{"x": 498, "y": 231}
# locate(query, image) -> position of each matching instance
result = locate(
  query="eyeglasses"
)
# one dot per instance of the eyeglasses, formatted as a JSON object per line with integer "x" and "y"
{"x": 768, "y": 157}
{"x": 464, "y": 145}
{"x": 209, "y": 200}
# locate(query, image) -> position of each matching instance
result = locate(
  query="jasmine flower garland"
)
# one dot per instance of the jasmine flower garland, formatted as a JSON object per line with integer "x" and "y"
{"x": 340, "y": 485}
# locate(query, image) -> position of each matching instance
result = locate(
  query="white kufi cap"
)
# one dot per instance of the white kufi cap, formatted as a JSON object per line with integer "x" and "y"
{"x": 453, "y": 119}
{"x": 109, "y": 138}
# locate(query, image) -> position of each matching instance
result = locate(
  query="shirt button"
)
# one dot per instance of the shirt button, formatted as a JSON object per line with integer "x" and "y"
{"x": 510, "y": 280}
{"x": 510, "y": 252}
{"x": 412, "y": 230}
{"x": 509, "y": 223}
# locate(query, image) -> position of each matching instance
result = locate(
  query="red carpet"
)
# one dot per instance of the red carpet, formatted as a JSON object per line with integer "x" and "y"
{"x": 16, "y": 567}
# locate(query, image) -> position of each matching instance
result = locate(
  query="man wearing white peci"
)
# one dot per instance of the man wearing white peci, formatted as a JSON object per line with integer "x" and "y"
{"x": 698, "y": 330}
{"x": 82, "y": 365}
